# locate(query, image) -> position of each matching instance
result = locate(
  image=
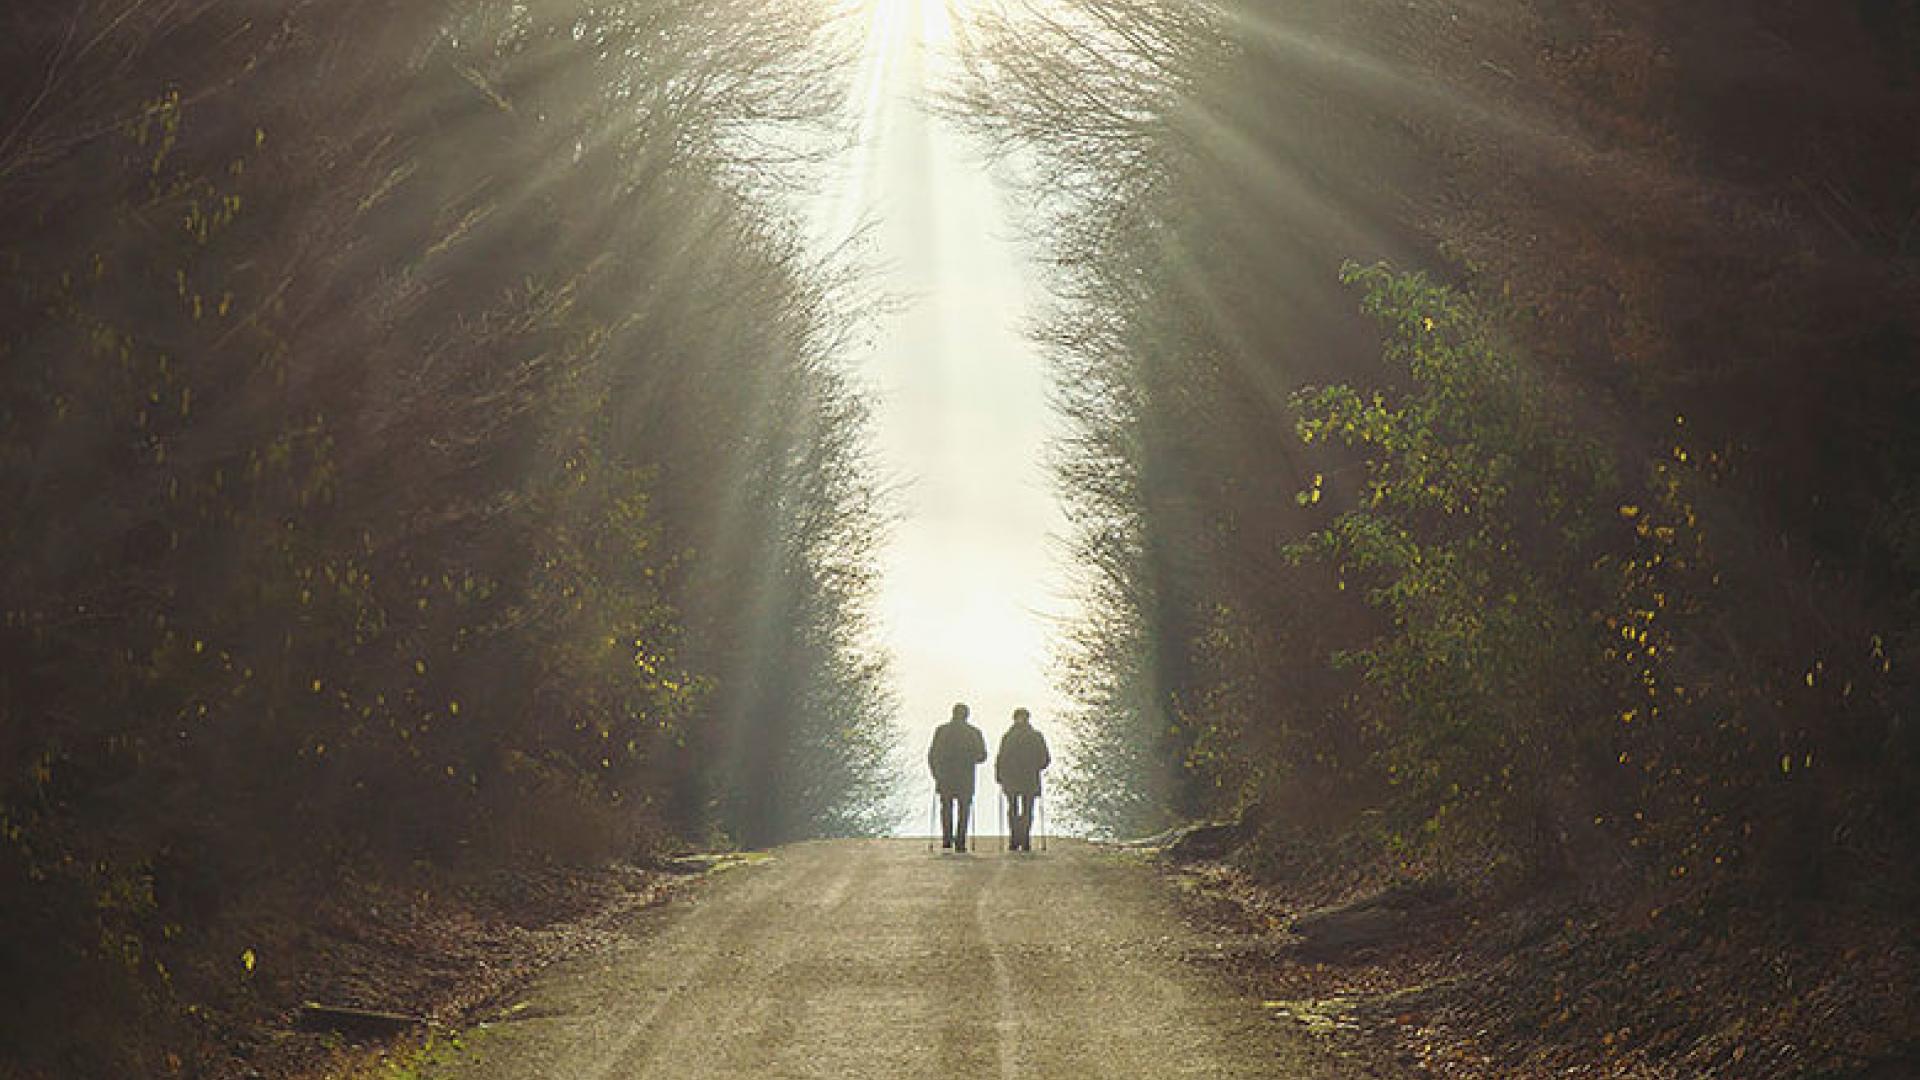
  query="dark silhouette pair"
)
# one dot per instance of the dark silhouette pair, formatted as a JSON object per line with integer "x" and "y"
{"x": 958, "y": 747}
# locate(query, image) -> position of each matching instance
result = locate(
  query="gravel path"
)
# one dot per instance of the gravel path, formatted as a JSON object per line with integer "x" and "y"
{"x": 879, "y": 959}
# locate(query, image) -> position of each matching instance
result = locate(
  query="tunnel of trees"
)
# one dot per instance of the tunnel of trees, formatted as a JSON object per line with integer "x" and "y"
{"x": 1494, "y": 445}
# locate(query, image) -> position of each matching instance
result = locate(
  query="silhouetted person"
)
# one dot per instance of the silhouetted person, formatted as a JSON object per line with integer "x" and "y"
{"x": 1022, "y": 758}
{"x": 957, "y": 747}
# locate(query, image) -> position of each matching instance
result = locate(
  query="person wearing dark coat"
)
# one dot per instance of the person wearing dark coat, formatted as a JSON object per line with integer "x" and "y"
{"x": 957, "y": 747}
{"x": 1017, "y": 767}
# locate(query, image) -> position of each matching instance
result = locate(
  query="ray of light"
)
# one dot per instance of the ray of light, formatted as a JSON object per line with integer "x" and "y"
{"x": 883, "y": 42}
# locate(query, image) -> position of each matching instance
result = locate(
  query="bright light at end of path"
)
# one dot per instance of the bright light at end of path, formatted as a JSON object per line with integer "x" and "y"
{"x": 886, "y": 17}
{"x": 969, "y": 597}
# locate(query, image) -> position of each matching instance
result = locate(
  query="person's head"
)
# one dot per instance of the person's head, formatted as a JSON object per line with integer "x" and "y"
{"x": 959, "y": 710}
{"x": 1021, "y": 716}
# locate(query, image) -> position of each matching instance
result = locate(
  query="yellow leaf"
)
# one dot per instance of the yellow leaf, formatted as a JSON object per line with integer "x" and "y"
{"x": 1629, "y": 512}
{"x": 247, "y": 960}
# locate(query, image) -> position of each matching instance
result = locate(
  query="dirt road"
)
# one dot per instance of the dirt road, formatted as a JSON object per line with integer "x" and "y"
{"x": 878, "y": 959}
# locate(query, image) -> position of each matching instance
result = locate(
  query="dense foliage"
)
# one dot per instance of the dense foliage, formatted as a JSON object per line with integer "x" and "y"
{"x": 1583, "y": 540}
{"x": 419, "y": 442}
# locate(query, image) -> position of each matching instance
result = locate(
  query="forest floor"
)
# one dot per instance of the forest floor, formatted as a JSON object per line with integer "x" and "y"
{"x": 1536, "y": 982}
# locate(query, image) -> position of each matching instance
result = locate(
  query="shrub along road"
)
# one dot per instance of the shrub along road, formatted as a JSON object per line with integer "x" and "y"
{"x": 878, "y": 959}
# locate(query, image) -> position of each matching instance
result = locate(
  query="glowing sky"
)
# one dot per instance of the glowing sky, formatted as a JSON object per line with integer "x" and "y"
{"x": 972, "y": 588}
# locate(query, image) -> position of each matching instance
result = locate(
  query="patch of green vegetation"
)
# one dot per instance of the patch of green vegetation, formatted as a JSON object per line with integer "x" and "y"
{"x": 436, "y": 1055}
{"x": 1319, "y": 1016}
